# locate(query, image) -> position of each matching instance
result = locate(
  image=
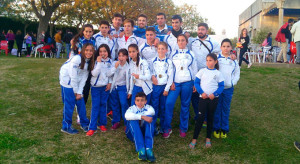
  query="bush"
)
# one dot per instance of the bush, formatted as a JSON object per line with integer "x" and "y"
{"x": 260, "y": 36}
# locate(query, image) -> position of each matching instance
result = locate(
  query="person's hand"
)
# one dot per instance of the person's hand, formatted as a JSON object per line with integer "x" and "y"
{"x": 204, "y": 96}
{"x": 165, "y": 93}
{"x": 147, "y": 119}
{"x": 99, "y": 58}
{"x": 169, "y": 33}
{"x": 117, "y": 64}
{"x": 232, "y": 56}
{"x": 211, "y": 96}
{"x": 137, "y": 76}
{"x": 78, "y": 96}
{"x": 108, "y": 86}
{"x": 121, "y": 34}
{"x": 194, "y": 89}
{"x": 128, "y": 96}
{"x": 115, "y": 35}
{"x": 110, "y": 37}
{"x": 156, "y": 41}
{"x": 154, "y": 80}
{"x": 173, "y": 88}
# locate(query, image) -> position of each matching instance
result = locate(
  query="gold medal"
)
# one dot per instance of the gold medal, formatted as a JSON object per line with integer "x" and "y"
{"x": 160, "y": 76}
{"x": 181, "y": 68}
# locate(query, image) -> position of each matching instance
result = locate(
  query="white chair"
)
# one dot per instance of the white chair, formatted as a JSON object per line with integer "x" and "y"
{"x": 254, "y": 53}
{"x": 266, "y": 51}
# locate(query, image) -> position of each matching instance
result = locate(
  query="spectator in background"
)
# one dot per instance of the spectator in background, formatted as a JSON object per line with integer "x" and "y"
{"x": 28, "y": 42}
{"x": 244, "y": 41}
{"x": 57, "y": 38}
{"x": 284, "y": 37}
{"x": 296, "y": 34}
{"x": 34, "y": 39}
{"x": 41, "y": 38}
{"x": 2, "y": 35}
{"x": 19, "y": 41}
{"x": 67, "y": 39}
{"x": 10, "y": 36}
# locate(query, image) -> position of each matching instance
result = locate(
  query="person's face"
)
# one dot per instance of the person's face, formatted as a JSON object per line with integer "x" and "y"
{"x": 162, "y": 50}
{"x": 140, "y": 102}
{"x": 181, "y": 41}
{"x": 245, "y": 32}
{"x": 226, "y": 48}
{"x": 128, "y": 28}
{"x": 202, "y": 32}
{"x": 142, "y": 22}
{"x": 88, "y": 52}
{"x": 103, "y": 53}
{"x": 117, "y": 21}
{"x": 210, "y": 62}
{"x": 160, "y": 20}
{"x": 122, "y": 58}
{"x": 132, "y": 53}
{"x": 176, "y": 24}
{"x": 87, "y": 32}
{"x": 104, "y": 29}
{"x": 150, "y": 36}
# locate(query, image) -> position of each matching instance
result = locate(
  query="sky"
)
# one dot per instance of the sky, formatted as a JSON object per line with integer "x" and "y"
{"x": 221, "y": 14}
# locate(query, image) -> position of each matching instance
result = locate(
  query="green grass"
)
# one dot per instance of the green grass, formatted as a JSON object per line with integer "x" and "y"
{"x": 264, "y": 121}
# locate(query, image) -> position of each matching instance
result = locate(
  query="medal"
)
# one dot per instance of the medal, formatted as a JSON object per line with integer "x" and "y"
{"x": 160, "y": 76}
{"x": 181, "y": 68}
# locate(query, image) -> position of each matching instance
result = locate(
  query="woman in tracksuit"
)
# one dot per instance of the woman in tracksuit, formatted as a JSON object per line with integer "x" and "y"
{"x": 101, "y": 83}
{"x": 231, "y": 72}
{"x": 140, "y": 80}
{"x": 73, "y": 75}
{"x": 119, "y": 88}
{"x": 185, "y": 69}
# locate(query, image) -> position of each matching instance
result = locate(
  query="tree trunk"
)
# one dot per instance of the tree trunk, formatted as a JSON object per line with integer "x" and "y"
{"x": 43, "y": 24}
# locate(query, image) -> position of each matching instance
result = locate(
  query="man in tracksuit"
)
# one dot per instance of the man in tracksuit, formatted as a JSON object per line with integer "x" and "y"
{"x": 162, "y": 29}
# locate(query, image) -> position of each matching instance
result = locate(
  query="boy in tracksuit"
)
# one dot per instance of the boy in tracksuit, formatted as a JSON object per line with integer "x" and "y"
{"x": 231, "y": 72}
{"x": 162, "y": 29}
{"x": 116, "y": 28}
{"x": 148, "y": 50}
{"x": 162, "y": 77}
{"x": 102, "y": 37}
{"x": 140, "y": 127}
{"x": 140, "y": 30}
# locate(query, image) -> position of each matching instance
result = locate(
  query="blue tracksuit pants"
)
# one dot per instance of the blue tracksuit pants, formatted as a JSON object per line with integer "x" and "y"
{"x": 69, "y": 101}
{"x": 185, "y": 90}
{"x": 137, "y": 89}
{"x": 221, "y": 119}
{"x": 158, "y": 102}
{"x": 99, "y": 102}
{"x": 141, "y": 135}
{"x": 118, "y": 102}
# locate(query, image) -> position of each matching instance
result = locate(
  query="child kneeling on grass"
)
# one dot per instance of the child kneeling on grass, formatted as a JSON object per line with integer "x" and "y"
{"x": 140, "y": 127}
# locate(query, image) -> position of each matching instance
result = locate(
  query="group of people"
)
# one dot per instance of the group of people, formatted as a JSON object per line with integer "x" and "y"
{"x": 138, "y": 72}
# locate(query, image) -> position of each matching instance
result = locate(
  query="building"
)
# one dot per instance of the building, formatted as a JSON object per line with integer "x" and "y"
{"x": 269, "y": 15}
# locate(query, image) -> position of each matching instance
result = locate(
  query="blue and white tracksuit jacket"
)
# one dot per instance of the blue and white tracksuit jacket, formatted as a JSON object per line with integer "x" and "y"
{"x": 100, "y": 39}
{"x": 101, "y": 76}
{"x": 162, "y": 69}
{"x": 139, "y": 131}
{"x": 144, "y": 83}
{"x": 118, "y": 92}
{"x": 148, "y": 52}
{"x": 201, "y": 52}
{"x": 79, "y": 45}
{"x": 72, "y": 80}
{"x": 185, "y": 69}
{"x": 171, "y": 40}
{"x": 162, "y": 33}
{"x": 122, "y": 43}
{"x": 140, "y": 32}
{"x": 231, "y": 72}
{"x": 113, "y": 30}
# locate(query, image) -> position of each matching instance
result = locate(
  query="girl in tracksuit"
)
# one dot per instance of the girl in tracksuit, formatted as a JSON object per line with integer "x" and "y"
{"x": 231, "y": 72}
{"x": 119, "y": 88}
{"x": 73, "y": 75}
{"x": 140, "y": 79}
{"x": 101, "y": 83}
{"x": 209, "y": 83}
{"x": 185, "y": 69}
{"x": 162, "y": 77}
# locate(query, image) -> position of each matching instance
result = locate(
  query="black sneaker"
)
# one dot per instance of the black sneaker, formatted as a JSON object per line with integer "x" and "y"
{"x": 297, "y": 145}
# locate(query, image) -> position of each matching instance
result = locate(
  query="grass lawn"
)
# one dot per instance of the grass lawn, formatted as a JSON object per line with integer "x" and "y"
{"x": 264, "y": 121}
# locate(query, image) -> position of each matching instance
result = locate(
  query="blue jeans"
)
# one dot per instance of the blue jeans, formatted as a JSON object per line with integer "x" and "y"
{"x": 68, "y": 49}
{"x": 58, "y": 46}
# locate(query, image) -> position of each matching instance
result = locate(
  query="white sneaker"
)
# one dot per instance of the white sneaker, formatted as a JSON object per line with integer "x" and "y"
{"x": 249, "y": 65}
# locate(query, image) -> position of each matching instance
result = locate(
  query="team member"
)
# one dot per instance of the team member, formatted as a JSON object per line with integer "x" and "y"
{"x": 101, "y": 83}
{"x": 116, "y": 28}
{"x": 162, "y": 77}
{"x": 148, "y": 50}
{"x": 73, "y": 75}
{"x": 202, "y": 46}
{"x": 140, "y": 80}
{"x": 140, "y": 30}
{"x": 140, "y": 129}
{"x": 119, "y": 88}
{"x": 209, "y": 83}
{"x": 185, "y": 69}
{"x": 231, "y": 72}
{"x": 84, "y": 36}
{"x": 162, "y": 29}
{"x": 102, "y": 37}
